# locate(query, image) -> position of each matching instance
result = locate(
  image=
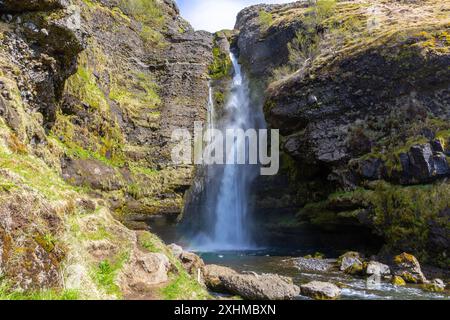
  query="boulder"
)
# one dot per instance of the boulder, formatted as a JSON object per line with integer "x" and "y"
{"x": 351, "y": 263}
{"x": 437, "y": 285}
{"x": 377, "y": 268}
{"x": 398, "y": 281}
{"x": 260, "y": 287}
{"x": 320, "y": 290}
{"x": 212, "y": 274}
{"x": 408, "y": 268}
{"x": 145, "y": 270}
{"x": 421, "y": 164}
{"x": 192, "y": 263}
{"x": 176, "y": 250}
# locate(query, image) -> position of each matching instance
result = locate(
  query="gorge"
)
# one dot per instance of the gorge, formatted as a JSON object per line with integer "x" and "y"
{"x": 91, "y": 91}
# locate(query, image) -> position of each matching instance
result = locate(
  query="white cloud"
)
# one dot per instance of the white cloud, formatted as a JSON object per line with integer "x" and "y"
{"x": 214, "y": 15}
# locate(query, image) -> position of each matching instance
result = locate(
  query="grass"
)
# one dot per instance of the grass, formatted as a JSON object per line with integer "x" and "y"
{"x": 182, "y": 285}
{"x": 84, "y": 86}
{"x": 265, "y": 19}
{"x": 34, "y": 173}
{"x": 138, "y": 97}
{"x": 8, "y": 293}
{"x": 221, "y": 65}
{"x": 105, "y": 274}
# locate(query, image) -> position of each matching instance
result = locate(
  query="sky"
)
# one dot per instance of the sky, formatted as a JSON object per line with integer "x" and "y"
{"x": 215, "y": 15}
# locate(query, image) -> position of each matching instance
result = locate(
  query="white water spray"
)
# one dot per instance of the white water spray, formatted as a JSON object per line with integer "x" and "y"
{"x": 227, "y": 204}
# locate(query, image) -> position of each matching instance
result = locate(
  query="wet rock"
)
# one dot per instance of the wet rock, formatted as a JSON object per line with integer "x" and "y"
{"x": 212, "y": 274}
{"x": 437, "y": 285}
{"x": 351, "y": 263}
{"x": 260, "y": 287}
{"x": 320, "y": 290}
{"x": 408, "y": 268}
{"x": 398, "y": 281}
{"x": 377, "y": 268}
{"x": 312, "y": 264}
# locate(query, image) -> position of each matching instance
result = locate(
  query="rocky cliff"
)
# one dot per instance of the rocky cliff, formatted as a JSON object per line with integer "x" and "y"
{"x": 360, "y": 91}
{"x": 90, "y": 93}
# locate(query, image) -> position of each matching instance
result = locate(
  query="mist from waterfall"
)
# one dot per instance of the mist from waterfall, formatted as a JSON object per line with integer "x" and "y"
{"x": 226, "y": 205}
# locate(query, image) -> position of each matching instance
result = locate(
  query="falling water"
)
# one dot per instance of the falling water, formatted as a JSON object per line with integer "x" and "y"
{"x": 226, "y": 206}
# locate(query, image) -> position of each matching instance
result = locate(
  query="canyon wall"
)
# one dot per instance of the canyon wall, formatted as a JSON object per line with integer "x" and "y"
{"x": 360, "y": 92}
{"x": 90, "y": 94}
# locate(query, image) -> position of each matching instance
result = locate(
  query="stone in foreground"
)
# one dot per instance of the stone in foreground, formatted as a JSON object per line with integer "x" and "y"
{"x": 212, "y": 274}
{"x": 260, "y": 287}
{"x": 321, "y": 290}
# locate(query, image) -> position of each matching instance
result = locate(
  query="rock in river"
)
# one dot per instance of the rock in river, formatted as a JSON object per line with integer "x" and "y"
{"x": 408, "y": 268}
{"x": 260, "y": 287}
{"x": 321, "y": 290}
{"x": 377, "y": 268}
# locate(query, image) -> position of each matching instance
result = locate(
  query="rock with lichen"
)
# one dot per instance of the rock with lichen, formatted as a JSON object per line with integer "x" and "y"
{"x": 408, "y": 268}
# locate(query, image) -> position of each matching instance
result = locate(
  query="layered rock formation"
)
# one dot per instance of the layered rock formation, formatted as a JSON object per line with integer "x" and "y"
{"x": 90, "y": 94}
{"x": 360, "y": 93}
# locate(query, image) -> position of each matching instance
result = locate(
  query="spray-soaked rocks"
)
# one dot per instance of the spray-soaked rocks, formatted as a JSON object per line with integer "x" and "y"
{"x": 408, "y": 268}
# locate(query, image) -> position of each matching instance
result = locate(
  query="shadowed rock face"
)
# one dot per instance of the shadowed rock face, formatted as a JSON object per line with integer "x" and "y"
{"x": 355, "y": 117}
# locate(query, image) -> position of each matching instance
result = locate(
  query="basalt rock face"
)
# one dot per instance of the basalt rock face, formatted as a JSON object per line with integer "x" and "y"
{"x": 90, "y": 92}
{"x": 363, "y": 107}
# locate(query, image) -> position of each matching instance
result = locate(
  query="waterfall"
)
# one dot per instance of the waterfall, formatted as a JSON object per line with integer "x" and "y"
{"x": 226, "y": 209}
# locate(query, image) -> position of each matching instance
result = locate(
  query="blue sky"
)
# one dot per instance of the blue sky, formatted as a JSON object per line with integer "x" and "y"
{"x": 215, "y": 15}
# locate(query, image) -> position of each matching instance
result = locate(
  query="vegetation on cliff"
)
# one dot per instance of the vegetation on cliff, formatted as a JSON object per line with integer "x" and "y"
{"x": 359, "y": 90}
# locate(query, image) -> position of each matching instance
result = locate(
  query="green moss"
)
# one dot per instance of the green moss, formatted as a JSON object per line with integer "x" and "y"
{"x": 146, "y": 11}
{"x": 34, "y": 173}
{"x": 219, "y": 98}
{"x": 138, "y": 97}
{"x": 83, "y": 144}
{"x": 184, "y": 287}
{"x": 265, "y": 19}
{"x": 84, "y": 86}
{"x": 221, "y": 66}
{"x": 8, "y": 293}
{"x": 398, "y": 281}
